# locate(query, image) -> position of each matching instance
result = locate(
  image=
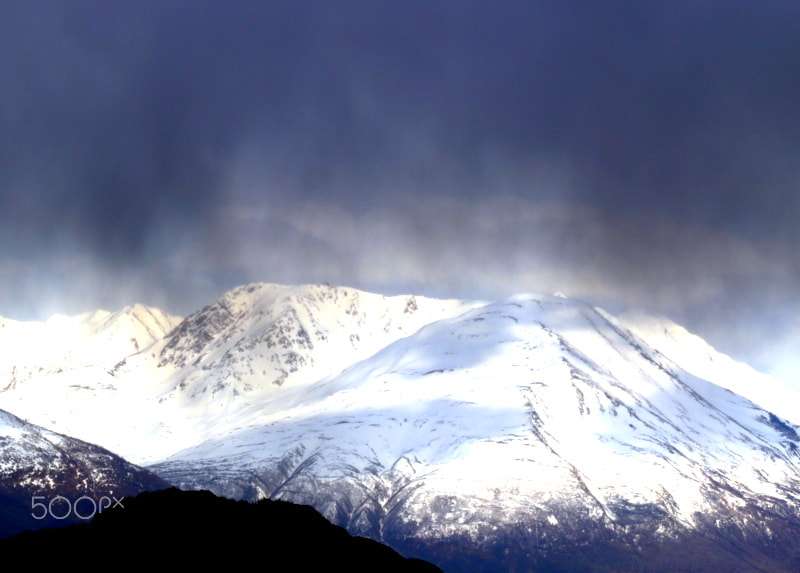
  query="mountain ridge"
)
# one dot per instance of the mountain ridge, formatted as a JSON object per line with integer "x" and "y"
{"x": 583, "y": 391}
{"x": 510, "y": 430}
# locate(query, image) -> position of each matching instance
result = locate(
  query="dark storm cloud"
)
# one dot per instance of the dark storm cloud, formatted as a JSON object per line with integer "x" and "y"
{"x": 635, "y": 151}
{"x": 136, "y": 107}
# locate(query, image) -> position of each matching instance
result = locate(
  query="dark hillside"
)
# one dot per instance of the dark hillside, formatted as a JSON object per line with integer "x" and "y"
{"x": 196, "y": 528}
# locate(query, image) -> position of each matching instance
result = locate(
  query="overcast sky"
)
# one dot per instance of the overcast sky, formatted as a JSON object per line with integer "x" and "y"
{"x": 629, "y": 153}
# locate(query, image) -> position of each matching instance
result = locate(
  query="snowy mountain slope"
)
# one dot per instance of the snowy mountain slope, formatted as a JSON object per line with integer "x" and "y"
{"x": 59, "y": 373}
{"x": 695, "y": 355}
{"x": 37, "y": 462}
{"x": 537, "y": 415}
{"x": 40, "y": 349}
{"x": 213, "y": 371}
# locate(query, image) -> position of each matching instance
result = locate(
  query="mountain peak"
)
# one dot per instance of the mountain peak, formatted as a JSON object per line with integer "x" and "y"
{"x": 260, "y": 336}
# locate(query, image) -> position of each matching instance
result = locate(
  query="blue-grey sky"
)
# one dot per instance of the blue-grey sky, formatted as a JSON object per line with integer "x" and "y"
{"x": 630, "y": 153}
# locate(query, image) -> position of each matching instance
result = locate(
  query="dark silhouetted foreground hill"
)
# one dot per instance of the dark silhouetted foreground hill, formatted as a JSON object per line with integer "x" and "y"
{"x": 197, "y": 528}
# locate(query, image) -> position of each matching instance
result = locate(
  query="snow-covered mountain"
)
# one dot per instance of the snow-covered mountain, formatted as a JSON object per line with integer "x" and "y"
{"x": 37, "y": 462}
{"x": 533, "y": 433}
{"x": 538, "y": 422}
{"x": 213, "y": 370}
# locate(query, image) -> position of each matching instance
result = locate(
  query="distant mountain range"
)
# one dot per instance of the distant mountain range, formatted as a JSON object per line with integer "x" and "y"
{"x": 534, "y": 433}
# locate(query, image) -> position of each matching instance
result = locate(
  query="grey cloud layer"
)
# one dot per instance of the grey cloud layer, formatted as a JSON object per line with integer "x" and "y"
{"x": 635, "y": 151}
